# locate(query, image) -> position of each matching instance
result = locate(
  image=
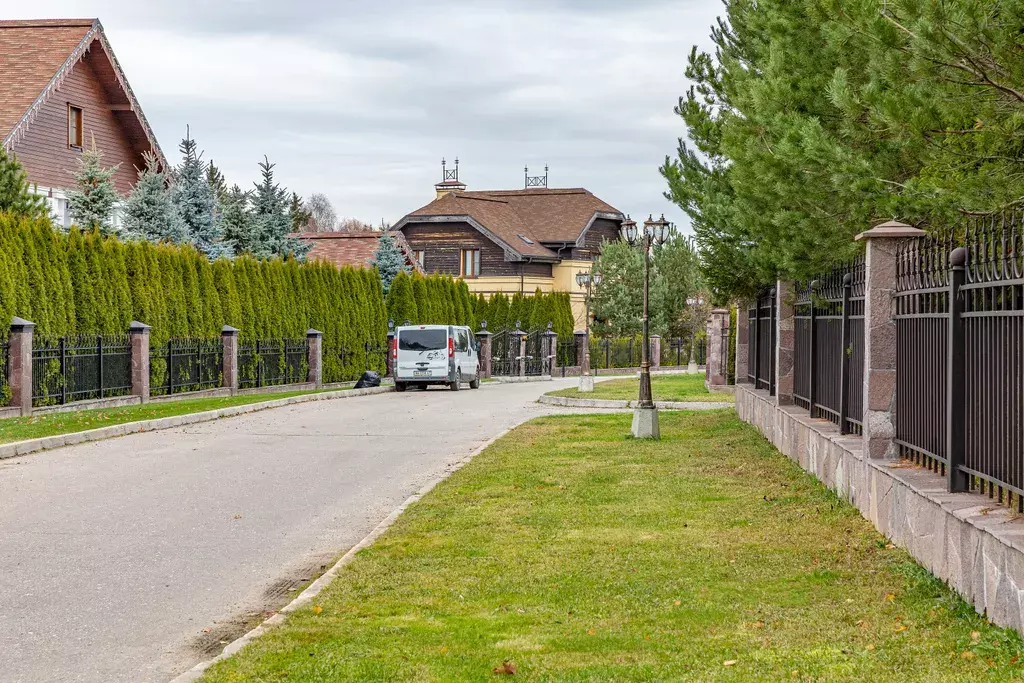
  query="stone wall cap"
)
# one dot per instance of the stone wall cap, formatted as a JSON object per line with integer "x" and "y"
{"x": 227, "y": 329}
{"x": 484, "y": 333}
{"x": 655, "y": 336}
{"x": 314, "y": 333}
{"x": 21, "y": 323}
{"x": 720, "y": 310}
{"x": 136, "y": 326}
{"x": 892, "y": 229}
{"x": 550, "y": 333}
{"x": 580, "y": 333}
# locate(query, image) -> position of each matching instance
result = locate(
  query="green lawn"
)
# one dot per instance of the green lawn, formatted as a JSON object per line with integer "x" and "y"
{"x": 20, "y": 428}
{"x": 575, "y": 553}
{"x": 665, "y": 388}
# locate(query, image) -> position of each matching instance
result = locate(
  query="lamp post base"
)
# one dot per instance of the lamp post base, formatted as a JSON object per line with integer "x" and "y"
{"x": 586, "y": 383}
{"x": 691, "y": 368}
{"x": 645, "y": 423}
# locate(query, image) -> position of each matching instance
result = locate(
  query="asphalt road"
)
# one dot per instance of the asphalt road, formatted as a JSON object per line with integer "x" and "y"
{"x": 134, "y": 558}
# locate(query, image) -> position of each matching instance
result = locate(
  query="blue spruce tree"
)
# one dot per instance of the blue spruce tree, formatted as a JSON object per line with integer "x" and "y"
{"x": 149, "y": 213}
{"x": 390, "y": 261}
{"x": 196, "y": 203}
{"x": 272, "y": 221}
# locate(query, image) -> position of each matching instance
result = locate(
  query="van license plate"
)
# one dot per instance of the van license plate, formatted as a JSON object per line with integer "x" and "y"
{"x": 421, "y": 373}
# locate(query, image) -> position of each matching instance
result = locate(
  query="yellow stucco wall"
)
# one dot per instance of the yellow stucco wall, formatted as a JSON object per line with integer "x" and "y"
{"x": 563, "y": 279}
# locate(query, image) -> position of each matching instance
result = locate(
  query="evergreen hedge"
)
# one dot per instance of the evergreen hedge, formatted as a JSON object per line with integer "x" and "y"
{"x": 83, "y": 283}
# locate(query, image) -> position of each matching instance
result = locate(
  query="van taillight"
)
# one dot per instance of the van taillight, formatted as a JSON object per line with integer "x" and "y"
{"x": 394, "y": 348}
{"x": 451, "y": 347}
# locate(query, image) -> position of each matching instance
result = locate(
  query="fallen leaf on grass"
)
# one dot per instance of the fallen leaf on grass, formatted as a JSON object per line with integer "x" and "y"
{"x": 729, "y": 662}
{"x": 507, "y": 668}
{"x": 870, "y": 647}
{"x": 966, "y": 654}
{"x": 756, "y": 624}
{"x": 591, "y": 632}
{"x": 900, "y": 628}
{"x": 890, "y": 546}
{"x": 975, "y": 635}
{"x": 444, "y": 649}
{"x": 317, "y": 609}
{"x": 678, "y": 603}
{"x": 890, "y": 596}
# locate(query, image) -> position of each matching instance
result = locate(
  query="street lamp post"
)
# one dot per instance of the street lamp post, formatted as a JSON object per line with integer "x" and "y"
{"x": 645, "y": 416}
{"x": 587, "y": 280}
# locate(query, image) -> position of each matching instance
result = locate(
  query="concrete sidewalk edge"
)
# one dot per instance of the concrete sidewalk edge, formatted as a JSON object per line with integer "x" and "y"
{"x": 325, "y": 579}
{"x": 19, "y": 448}
{"x": 566, "y": 402}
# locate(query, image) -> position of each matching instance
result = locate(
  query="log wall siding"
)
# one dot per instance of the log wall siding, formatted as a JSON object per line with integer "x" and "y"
{"x": 442, "y": 244}
{"x": 602, "y": 229}
{"x": 44, "y": 150}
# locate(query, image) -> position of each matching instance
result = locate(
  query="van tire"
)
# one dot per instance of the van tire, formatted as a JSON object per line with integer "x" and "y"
{"x": 475, "y": 383}
{"x": 457, "y": 384}
{"x": 401, "y": 386}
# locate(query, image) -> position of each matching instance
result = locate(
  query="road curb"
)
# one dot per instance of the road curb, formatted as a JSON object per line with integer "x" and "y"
{"x": 324, "y": 580}
{"x": 19, "y": 448}
{"x": 566, "y": 402}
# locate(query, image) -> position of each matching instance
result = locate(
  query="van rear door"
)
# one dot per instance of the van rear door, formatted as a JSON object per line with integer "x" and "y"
{"x": 422, "y": 353}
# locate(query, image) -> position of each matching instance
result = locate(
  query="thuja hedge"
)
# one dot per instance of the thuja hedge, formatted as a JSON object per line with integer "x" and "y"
{"x": 86, "y": 284}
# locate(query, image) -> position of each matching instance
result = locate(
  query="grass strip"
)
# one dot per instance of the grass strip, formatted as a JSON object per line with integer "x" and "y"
{"x": 52, "y": 424}
{"x": 570, "y": 552}
{"x": 664, "y": 387}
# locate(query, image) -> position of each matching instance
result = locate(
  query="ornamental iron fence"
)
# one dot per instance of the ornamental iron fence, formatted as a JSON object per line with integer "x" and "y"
{"x": 184, "y": 365}
{"x": 676, "y": 351}
{"x": 79, "y": 368}
{"x": 270, "y": 362}
{"x": 761, "y": 317}
{"x": 616, "y": 352}
{"x": 828, "y": 347}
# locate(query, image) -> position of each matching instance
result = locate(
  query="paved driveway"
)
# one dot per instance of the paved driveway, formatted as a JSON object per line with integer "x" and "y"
{"x": 132, "y": 559}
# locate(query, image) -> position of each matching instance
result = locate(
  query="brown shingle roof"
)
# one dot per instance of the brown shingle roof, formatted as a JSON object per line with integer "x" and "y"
{"x": 539, "y": 214}
{"x": 36, "y": 55}
{"x": 31, "y": 53}
{"x": 344, "y": 248}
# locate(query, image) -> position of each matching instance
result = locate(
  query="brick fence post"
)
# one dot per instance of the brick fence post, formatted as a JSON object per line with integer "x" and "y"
{"x": 486, "y": 354}
{"x": 742, "y": 343}
{"x": 229, "y": 364}
{"x": 880, "y": 336}
{"x": 139, "y": 335}
{"x": 655, "y": 351}
{"x": 550, "y": 347}
{"x": 785, "y": 339}
{"x": 20, "y": 364}
{"x": 315, "y": 349}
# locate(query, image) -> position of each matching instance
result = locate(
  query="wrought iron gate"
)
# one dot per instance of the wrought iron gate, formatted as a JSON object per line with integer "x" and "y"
{"x": 504, "y": 352}
{"x": 534, "y": 358}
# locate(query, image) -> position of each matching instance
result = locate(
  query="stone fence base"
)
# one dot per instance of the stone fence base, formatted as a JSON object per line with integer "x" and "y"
{"x": 964, "y": 539}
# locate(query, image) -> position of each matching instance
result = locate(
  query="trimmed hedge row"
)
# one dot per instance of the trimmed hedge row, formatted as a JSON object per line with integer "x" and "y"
{"x": 88, "y": 284}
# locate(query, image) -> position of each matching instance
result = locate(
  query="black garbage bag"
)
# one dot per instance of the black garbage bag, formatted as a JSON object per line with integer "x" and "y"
{"x": 369, "y": 379}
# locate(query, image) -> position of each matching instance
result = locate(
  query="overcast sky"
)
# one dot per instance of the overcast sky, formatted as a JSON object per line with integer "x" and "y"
{"x": 361, "y": 101}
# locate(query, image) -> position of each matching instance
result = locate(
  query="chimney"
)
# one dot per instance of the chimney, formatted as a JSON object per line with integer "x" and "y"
{"x": 450, "y": 183}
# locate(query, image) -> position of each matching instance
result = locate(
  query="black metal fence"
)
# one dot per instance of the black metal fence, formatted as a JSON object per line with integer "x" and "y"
{"x": 960, "y": 369}
{"x": 269, "y": 362}
{"x": 534, "y": 358}
{"x": 616, "y": 352}
{"x": 828, "y": 347}
{"x": 79, "y": 368}
{"x": 676, "y": 351}
{"x": 183, "y": 365}
{"x": 761, "y": 359}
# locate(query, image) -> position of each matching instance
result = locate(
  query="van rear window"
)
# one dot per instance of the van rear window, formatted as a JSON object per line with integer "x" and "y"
{"x": 422, "y": 340}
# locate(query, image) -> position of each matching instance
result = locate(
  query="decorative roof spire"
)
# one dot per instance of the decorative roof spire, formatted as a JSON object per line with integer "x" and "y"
{"x": 536, "y": 180}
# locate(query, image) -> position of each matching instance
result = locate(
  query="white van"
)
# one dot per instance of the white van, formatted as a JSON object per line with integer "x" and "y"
{"x": 435, "y": 354}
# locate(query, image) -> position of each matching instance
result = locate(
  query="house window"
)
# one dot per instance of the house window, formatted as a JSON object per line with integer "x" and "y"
{"x": 418, "y": 255}
{"x": 74, "y": 126}
{"x": 470, "y": 263}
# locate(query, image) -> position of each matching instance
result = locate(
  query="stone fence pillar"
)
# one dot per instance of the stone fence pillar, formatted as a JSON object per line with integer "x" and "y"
{"x": 485, "y": 357}
{"x": 582, "y": 351}
{"x": 520, "y": 344}
{"x": 785, "y": 336}
{"x": 550, "y": 349}
{"x": 716, "y": 373}
{"x": 139, "y": 335}
{"x": 20, "y": 364}
{"x": 655, "y": 351}
{"x": 315, "y": 349}
{"x": 229, "y": 374}
{"x": 742, "y": 342}
{"x": 879, "y": 418}
{"x": 388, "y": 360}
